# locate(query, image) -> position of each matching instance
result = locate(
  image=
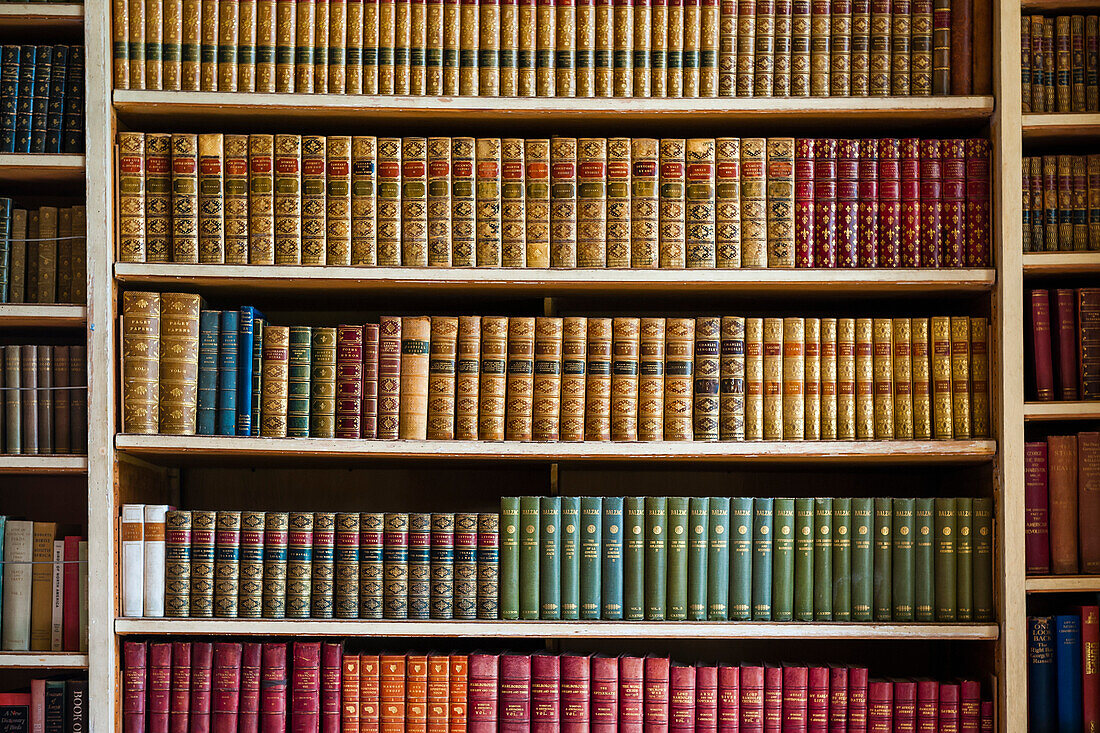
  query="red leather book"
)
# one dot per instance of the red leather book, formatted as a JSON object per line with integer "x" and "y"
{"x": 368, "y": 415}
{"x": 158, "y": 703}
{"x": 931, "y": 203}
{"x": 349, "y": 694}
{"x": 1040, "y": 345}
{"x": 349, "y": 380}
{"x": 1065, "y": 306}
{"x": 391, "y": 693}
{"x": 1088, "y": 331}
{"x": 773, "y": 698}
{"x": 977, "y": 203}
{"x": 576, "y": 691}
{"x": 416, "y": 693}
{"x": 273, "y": 684}
{"x": 681, "y": 697}
{"x": 949, "y": 709}
{"x": 1088, "y": 500}
{"x": 1062, "y": 493}
{"x": 389, "y": 377}
{"x": 910, "y": 202}
{"x": 868, "y": 202}
{"x": 655, "y": 694}
{"x": 331, "y": 667}
{"x": 134, "y": 678}
{"x": 370, "y": 703}
{"x": 825, "y": 202}
{"x": 889, "y": 202}
{"x": 970, "y": 704}
{"x": 631, "y": 694}
{"x": 857, "y": 699}
{"x": 545, "y": 693}
{"x": 847, "y": 203}
{"x": 515, "y": 693}
{"x": 202, "y": 678}
{"x": 928, "y": 706}
{"x": 706, "y": 699}
{"x": 305, "y": 687}
{"x": 953, "y": 231}
{"x": 459, "y": 680}
{"x": 986, "y": 724}
{"x": 804, "y": 181}
{"x": 905, "y": 706}
{"x": 880, "y": 706}
{"x": 179, "y": 705}
{"x": 817, "y": 699}
{"x": 838, "y": 699}
{"x": 729, "y": 699}
{"x": 226, "y": 687}
{"x": 248, "y": 720}
{"x": 70, "y": 597}
{"x": 795, "y": 698}
{"x": 482, "y": 690}
{"x": 751, "y": 681}
{"x": 438, "y": 693}
{"x": 604, "y": 712}
{"x": 1036, "y": 517}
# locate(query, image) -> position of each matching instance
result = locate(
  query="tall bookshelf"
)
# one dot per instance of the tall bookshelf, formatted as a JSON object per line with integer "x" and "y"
{"x": 127, "y": 468}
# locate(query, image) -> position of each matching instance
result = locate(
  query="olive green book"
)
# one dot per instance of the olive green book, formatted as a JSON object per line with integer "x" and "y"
{"x": 884, "y": 530}
{"x": 718, "y": 558}
{"x": 902, "y": 570}
{"x": 983, "y": 560}
{"x": 945, "y": 560}
{"x": 804, "y": 559}
{"x": 783, "y": 561}
{"x": 634, "y": 558}
{"x": 823, "y": 559}
{"x": 677, "y": 558}
{"x": 923, "y": 560}
{"x": 656, "y": 556}
{"x": 964, "y": 554}
{"x": 529, "y": 554}
{"x": 842, "y": 559}
{"x": 550, "y": 557}
{"x": 697, "y": 538}
{"x": 762, "y": 533}
{"x": 611, "y": 557}
{"x": 863, "y": 523}
{"x": 570, "y": 557}
{"x": 509, "y": 557}
{"x": 740, "y": 597}
{"x": 591, "y": 531}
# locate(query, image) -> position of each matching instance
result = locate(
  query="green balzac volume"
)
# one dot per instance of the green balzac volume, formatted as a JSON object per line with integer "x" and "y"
{"x": 924, "y": 551}
{"x": 983, "y": 560}
{"x": 863, "y": 522}
{"x": 591, "y": 555}
{"x": 570, "y": 557}
{"x": 698, "y": 538}
{"x": 946, "y": 590}
{"x": 529, "y": 557}
{"x": 842, "y": 559}
{"x": 884, "y": 530}
{"x": 804, "y": 559}
{"x": 783, "y": 561}
{"x": 550, "y": 557}
{"x": 509, "y": 557}
{"x": 904, "y": 529}
{"x": 677, "y": 558}
{"x": 611, "y": 574}
{"x": 823, "y": 559}
{"x": 634, "y": 587}
{"x": 718, "y": 559}
{"x": 740, "y": 558}
{"x": 763, "y": 523}
{"x": 656, "y": 552}
{"x": 964, "y": 552}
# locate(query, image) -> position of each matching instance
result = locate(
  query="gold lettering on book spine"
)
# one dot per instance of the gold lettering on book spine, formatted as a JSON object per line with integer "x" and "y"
{"x": 812, "y": 381}
{"x": 494, "y": 367}
{"x": 364, "y": 200}
{"x": 520, "y": 383}
{"x": 439, "y": 202}
{"x": 597, "y": 409}
{"x": 960, "y": 377}
{"x": 467, "y": 377}
{"x": 338, "y": 201}
{"x": 672, "y": 223}
{"x": 651, "y": 380}
{"x": 773, "y": 379}
{"x": 441, "y": 378}
{"x": 414, "y": 202}
{"x": 618, "y": 202}
{"x": 625, "y": 334}
{"x": 563, "y": 202}
{"x": 883, "y": 367}
{"x": 794, "y": 379}
{"x": 573, "y": 372}
{"x": 236, "y": 199}
{"x": 592, "y": 202}
{"x": 731, "y": 405}
{"x": 314, "y": 156}
{"x": 389, "y": 202}
{"x": 547, "y": 380}
{"x": 288, "y": 199}
{"x": 537, "y": 201}
{"x": 644, "y": 228}
{"x": 679, "y": 372}
{"x": 903, "y": 379}
{"x": 922, "y": 384}
{"x": 513, "y": 212}
{"x": 865, "y": 379}
{"x": 846, "y": 379}
{"x": 488, "y": 204}
{"x": 261, "y": 199}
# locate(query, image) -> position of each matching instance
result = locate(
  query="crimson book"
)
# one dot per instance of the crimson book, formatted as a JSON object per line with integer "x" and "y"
{"x": 931, "y": 203}
{"x": 889, "y": 202}
{"x": 159, "y": 687}
{"x": 838, "y": 698}
{"x": 825, "y": 202}
{"x": 134, "y": 679}
{"x": 928, "y": 698}
{"x": 817, "y": 698}
{"x": 868, "y": 202}
{"x": 804, "y": 181}
{"x": 953, "y": 207}
{"x": 655, "y": 692}
{"x": 305, "y": 687}
{"x": 631, "y": 694}
{"x": 545, "y": 696}
{"x": 603, "y": 712}
{"x": 977, "y": 203}
{"x": 1036, "y": 516}
{"x": 575, "y": 693}
{"x": 482, "y": 691}
{"x": 847, "y": 203}
{"x": 1088, "y": 345}
{"x": 880, "y": 706}
{"x": 1065, "y": 310}
{"x": 773, "y": 698}
{"x": 179, "y": 702}
{"x": 225, "y": 687}
{"x": 795, "y": 700}
{"x": 389, "y": 377}
{"x": 368, "y": 414}
{"x": 515, "y": 693}
{"x": 349, "y": 380}
{"x": 751, "y": 705}
{"x": 202, "y": 663}
{"x": 729, "y": 698}
{"x": 910, "y": 202}
{"x": 331, "y": 668}
{"x": 706, "y": 698}
{"x": 248, "y": 717}
{"x": 1041, "y": 345}
{"x": 273, "y": 688}
{"x": 681, "y": 702}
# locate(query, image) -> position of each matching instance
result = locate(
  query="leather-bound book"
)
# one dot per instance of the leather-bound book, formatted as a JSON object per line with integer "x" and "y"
{"x": 829, "y": 393}
{"x": 251, "y": 565}
{"x": 563, "y": 202}
{"x": 883, "y": 370}
{"x": 953, "y": 213}
{"x": 911, "y": 203}
{"x": 305, "y": 687}
{"x": 941, "y": 47}
{"x": 820, "y": 48}
{"x": 225, "y": 687}
{"x": 625, "y": 333}
{"x": 545, "y": 692}
{"x": 458, "y": 684}
{"x": 1038, "y": 241}
{"x": 298, "y": 386}
{"x": 727, "y": 202}
{"x": 920, "y": 67}
{"x": 846, "y": 380}
{"x": 679, "y": 372}
{"x": 276, "y": 537}
{"x": 1050, "y": 202}
{"x": 754, "y": 380}
{"x": 597, "y": 408}
{"x": 274, "y": 389}
{"x": 977, "y": 229}
{"x": 547, "y": 380}
{"x": 825, "y": 202}
{"x": 390, "y": 339}
{"x": 604, "y": 686}
{"x": 465, "y": 583}
{"x": 900, "y": 48}
{"x": 414, "y": 202}
{"x": 840, "y": 66}
{"x": 248, "y": 716}
{"x": 960, "y": 377}
{"x": 321, "y": 583}
{"x": 672, "y": 208}
{"x": 513, "y": 216}
{"x": 631, "y": 694}
{"x": 1036, "y": 509}
{"x": 656, "y": 691}
{"x": 1088, "y": 347}
{"x": 903, "y": 379}
{"x": 346, "y": 571}
{"x": 837, "y": 702}
{"x": 441, "y": 592}
{"x": 132, "y": 178}
{"x": 211, "y": 192}
{"x": 1088, "y": 499}
{"x": 1041, "y": 347}
{"x": 299, "y": 564}
{"x": 868, "y": 203}
{"x": 438, "y": 698}
{"x": 273, "y": 688}
{"x": 227, "y": 541}
{"x": 619, "y": 197}
{"x": 462, "y": 202}
{"x": 185, "y": 198}
{"x": 773, "y": 378}
{"x": 488, "y": 565}
{"x": 799, "y": 46}
{"x": 416, "y": 692}
{"x": 536, "y": 155}
{"x": 961, "y": 37}
{"x": 573, "y": 377}
{"x": 439, "y": 201}
{"x": 203, "y": 529}
{"x": 484, "y": 676}
{"x": 754, "y": 215}
{"x": 865, "y": 373}
{"x": 781, "y": 206}
{"x": 804, "y": 180}
{"x": 467, "y": 377}
{"x": 979, "y": 378}
{"x": 140, "y": 363}
{"x": 731, "y": 407}
{"x": 414, "y": 368}
{"x": 793, "y": 378}
{"x": 322, "y": 383}
{"x": 179, "y": 697}
{"x": 395, "y": 559}
{"x": 1079, "y": 215}
{"x": 363, "y": 200}
{"x": 236, "y": 199}
{"x": 420, "y": 565}
{"x": 492, "y": 390}
{"x": 931, "y": 204}
{"x": 1062, "y": 461}
{"x": 134, "y": 684}
{"x": 699, "y": 201}
{"x": 371, "y": 564}
{"x": 520, "y": 378}
{"x": 1092, "y": 166}
{"x": 591, "y": 201}
{"x": 812, "y": 379}
{"x": 388, "y": 202}
{"x": 880, "y": 48}
{"x": 261, "y": 199}
{"x": 847, "y": 195}
{"x": 441, "y": 378}
{"x": 177, "y": 567}
{"x": 941, "y": 378}
{"x": 179, "y": 363}
{"x": 706, "y": 377}
{"x": 644, "y": 209}
{"x": 372, "y": 360}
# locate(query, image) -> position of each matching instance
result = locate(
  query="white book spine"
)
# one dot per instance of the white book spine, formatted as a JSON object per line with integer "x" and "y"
{"x": 154, "y": 559}
{"x": 83, "y": 575}
{"x": 133, "y": 560}
{"x": 18, "y": 553}
{"x": 58, "y": 611}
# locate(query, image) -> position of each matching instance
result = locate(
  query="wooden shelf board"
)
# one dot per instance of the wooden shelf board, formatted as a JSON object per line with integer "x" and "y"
{"x": 1047, "y": 6}
{"x": 41, "y": 168}
{"x": 1049, "y": 411}
{"x": 1061, "y": 263}
{"x": 32, "y": 314}
{"x": 43, "y": 464}
{"x": 1063, "y": 584}
{"x": 296, "y": 279}
{"x": 560, "y": 629}
{"x": 1060, "y": 127}
{"x": 43, "y": 660}
{"x": 38, "y": 16}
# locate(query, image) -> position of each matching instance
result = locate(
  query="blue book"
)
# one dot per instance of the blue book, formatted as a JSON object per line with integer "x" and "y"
{"x": 227, "y": 374}
{"x": 570, "y": 557}
{"x": 9, "y": 95}
{"x": 1041, "y": 712}
{"x": 611, "y": 560}
{"x": 208, "y": 371}
{"x": 591, "y": 556}
{"x": 1067, "y": 662}
{"x": 24, "y": 100}
{"x": 718, "y": 558}
{"x": 55, "y": 108}
{"x": 41, "y": 99}
{"x": 245, "y": 333}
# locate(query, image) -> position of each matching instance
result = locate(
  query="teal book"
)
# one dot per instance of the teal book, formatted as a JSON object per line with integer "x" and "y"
{"x": 983, "y": 560}
{"x": 227, "y": 373}
{"x": 298, "y": 382}
{"x": 946, "y": 591}
{"x": 842, "y": 559}
{"x": 902, "y": 566}
{"x": 209, "y": 337}
{"x": 656, "y": 558}
{"x": 863, "y": 567}
{"x": 250, "y": 328}
{"x": 570, "y": 557}
{"x": 718, "y": 558}
{"x": 923, "y": 553}
{"x": 741, "y": 519}
{"x": 884, "y": 531}
{"x": 698, "y": 537}
{"x": 823, "y": 559}
{"x": 529, "y": 554}
{"x": 762, "y": 540}
{"x": 550, "y": 557}
{"x": 804, "y": 559}
{"x": 783, "y": 561}
{"x": 509, "y": 557}
{"x": 964, "y": 556}
{"x": 634, "y": 594}
{"x": 591, "y": 529}
{"x": 677, "y": 558}
{"x": 611, "y": 572}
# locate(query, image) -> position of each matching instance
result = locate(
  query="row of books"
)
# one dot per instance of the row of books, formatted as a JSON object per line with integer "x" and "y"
{"x": 166, "y": 684}
{"x": 559, "y": 202}
{"x": 743, "y": 49}
{"x": 805, "y": 559}
{"x": 41, "y": 99}
{"x": 1067, "y": 337}
{"x": 50, "y": 706}
{"x": 45, "y": 588}
{"x": 1063, "y": 690}
{"x": 1061, "y": 482}
{"x": 1059, "y": 62}
{"x": 46, "y": 254}
{"x": 45, "y": 400}
{"x": 1061, "y": 206}
{"x": 187, "y": 370}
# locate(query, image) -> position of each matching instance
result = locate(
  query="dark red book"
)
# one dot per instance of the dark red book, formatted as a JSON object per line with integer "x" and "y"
{"x": 880, "y": 706}
{"x": 273, "y": 688}
{"x": 931, "y": 203}
{"x": 706, "y": 699}
{"x": 825, "y": 202}
{"x": 604, "y": 712}
{"x": 349, "y": 380}
{"x": 134, "y": 678}
{"x": 1088, "y": 330}
{"x": 369, "y": 413}
{"x": 986, "y": 724}
{"x": 631, "y": 694}
{"x": 545, "y": 695}
{"x": 655, "y": 692}
{"x": 977, "y": 203}
{"x": 70, "y": 598}
{"x": 773, "y": 698}
{"x": 817, "y": 699}
{"x": 910, "y": 202}
{"x": 226, "y": 688}
{"x": 905, "y": 706}
{"x": 305, "y": 687}
{"x": 389, "y": 377}
{"x": 847, "y": 204}
{"x": 179, "y": 705}
{"x": 928, "y": 706}
{"x": 795, "y": 698}
{"x": 953, "y": 230}
{"x": 970, "y": 704}
{"x": 1088, "y": 499}
{"x": 1065, "y": 311}
{"x": 202, "y": 664}
{"x": 515, "y": 693}
{"x": 857, "y": 699}
{"x": 332, "y": 654}
{"x": 949, "y": 709}
{"x": 159, "y": 686}
{"x": 482, "y": 692}
{"x": 868, "y": 202}
{"x": 752, "y": 699}
{"x": 248, "y": 720}
{"x": 889, "y": 202}
{"x": 1041, "y": 345}
{"x": 1036, "y": 516}
{"x": 838, "y": 699}
{"x": 804, "y": 181}
{"x": 729, "y": 699}
{"x": 681, "y": 700}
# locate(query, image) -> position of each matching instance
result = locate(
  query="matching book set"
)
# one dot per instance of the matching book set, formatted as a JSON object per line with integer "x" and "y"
{"x": 41, "y": 99}
{"x": 1061, "y": 207}
{"x": 1060, "y": 63}
{"x": 1065, "y": 343}
{"x": 43, "y": 254}
{"x": 1062, "y": 476}
{"x": 45, "y": 399}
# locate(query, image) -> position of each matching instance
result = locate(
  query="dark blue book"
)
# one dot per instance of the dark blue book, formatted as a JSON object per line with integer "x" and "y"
{"x": 245, "y": 333}
{"x": 9, "y": 94}
{"x": 1041, "y": 711}
{"x": 611, "y": 565}
{"x": 24, "y": 101}
{"x": 55, "y": 106}
{"x": 41, "y": 99}
{"x": 227, "y": 374}
{"x": 209, "y": 337}
{"x": 72, "y": 127}
{"x": 1067, "y": 662}
{"x": 257, "y": 369}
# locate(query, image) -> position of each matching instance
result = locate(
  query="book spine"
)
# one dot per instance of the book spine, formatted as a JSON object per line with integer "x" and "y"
{"x": 699, "y": 202}
{"x": 414, "y": 377}
{"x": 672, "y": 209}
{"x": 227, "y": 540}
{"x": 414, "y": 202}
{"x": 960, "y": 377}
{"x": 741, "y": 558}
{"x": 395, "y": 558}
{"x": 441, "y": 379}
{"x": 889, "y": 203}
{"x": 644, "y": 210}
{"x": 732, "y": 379}
{"x": 624, "y": 379}
{"x": 494, "y": 370}
{"x": 547, "y": 380}
{"x": 288, "y": 198}
{"x": 793, "y": 378}
{"x": 520, "y": 379}
{"x": 371, "y": 565}
{"x": 727, "y": 210}
{"x": 573, "y": 377}
{"x": 388, "y": 202}
{"x": 754, "y": 216}
{"x": 608, "y": 568}
{"x": 656, "y": 554}
{"x": 439, "y": 201}
{"x": 467, "y": 377}
{"x": 823, "y": 559}
{"x": 537, "y": 201}
{"x": 513, "y": 215}
{"x": 364, "y": 176}
{"x": 323, "y": 572}
{"x": 488, "y": 243}
{"x": 563, "y": 202}
{"x": 773, "y": 378}
{"x": 299, "y": 564}
{"x": 945, "y": 560}
{"x": 251, "y": 565}
{"x": 591, "y": 204}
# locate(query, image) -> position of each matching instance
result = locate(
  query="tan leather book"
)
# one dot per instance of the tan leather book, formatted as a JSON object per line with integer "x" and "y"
{"x": 513, "y": 212}
{"x": 467, "y": 377}
{"x": 190, "y": 45}
{"x": 812, "y": 379}
{"x": 794, "y": 379}
{"x": 679, "y": 371}
{"x": 154, "y": 43}
{"x": 545, "y": 39}
{"x": 288, "y": 199}
{"x": 441, "y": 378}
{"x": 754, "y": 203}
{"x": 573, "y": 377}
{"x": 547, "y": 380}
{"x": 179, "y": 362}
{"x": 338, "y": 198}
{"x": 525, "y": 56}
{"x": 709, "y": 29}
{"x": 674, "y": 54}
{"x": 700, "y": 203}
{"x": 131, "y": 197}
{"x": 840, "y": 61}
{"x": 274, "y": 381}
{"x": 136, "y": 15}
{"x": 865, "y": 379}
{"x": 305, "y": 37}
{"x": 597, "y": 406}
{"x": 468, "y": 41}
{"x": 158, "y": 197}
{"x": 389, "y": 202}
{"x": 439, "y": 201}
{"x": 731, "y": 407}
{"x": 903, "y": 379}
{"x": 773, "y": 379}
{"x": 354, "y": 47}
{"x": 764, "y": 63}
{"x": 42, "y": 585}
{"x": 979, "y": 378}
{"x": 364, "y": 171}
{"x": 625, "y": 335}
{"x": 780, "y": 202}
{"x": 236, "y": 199}
{"x": 47, "y": 254}
{"x": 565, "y": 50}
{"x": 727, "y": 203}
{"x": 246, "y": 46}
{"x": 591, "y": 202}
{"x": 211, "y": 199}
{"x": 754, "y": 379}
{"x": 322, "y": 383}
{"x": 141, "y": 362}
{"x": 672, "y": 210}
{"x": 708, "y": 334}
{"x": 227, "y": 45}
{"x": 585, "y": 61}
{"x": 261, "y": 199}
{"x": 651, "y": 380}
{"x": 414, "y": 202}
{"x": 644, "y": 209}
{"x": 520, "y": 384}
{"x": 563, "y": 202}
{"x": 227, "y": 564}
{"x": 314, "y": 185}
{"x": 820, "y": 47}
{"x": 883, "y": 345}
{"x": 960, "y": 377}
{"x": 488, "y": 243}
{"x": 266, "y": 48}
{"x": 846, "y": 381}
{"x": 922, "y": 383}
{"x": 463, "y": 226}
{"x": 623, "y": 71}
{"x": 388, "y": 375}
{"x": 452, "y": 24}
{"x": 658, "y": 49}
{"x": 784, "y": 23}
{"x": 494, "y": 370}
{"x": 415, "y": 346}
{"x": 828, "y": 360}
{"x": 880, "y": 61}
{"x": 900, "y": 72}
{"x": 941, "y": 378}
{"x": 120, "y": 44}
{"x": 618, "y": 203}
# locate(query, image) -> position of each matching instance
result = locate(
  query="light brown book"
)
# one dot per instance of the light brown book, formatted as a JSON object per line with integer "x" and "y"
{"x": 120, "y": 44}
{"x": 754, "y": 203}
{"x": 625, "y": 335}
{"x": 573, "y": 373}
{"x": 322, "y": 383}
{"x": 154, "y": 43}
{"x": 521, "y": 348}
{"x": 618, "y": 224}
{"x": 288, "y": 199}
{"x": 883, "y": 378}
{"x": 335, "y": 67}
{"x": 780, "y": 202}
{"x": 488, "y": 204}
{"x": 513, "y": 214}
{"x": 781, "y": 72}
{"x": 979, "y": 378}
{"x": 190, "y": 45}
{"x": 960, "y": 377}
{"x": 451, "y": 32}
{"x": 314, "y": 188}
{"x": 371, "y": 51}
{"x": 261, "y": 199}
{"x": 794, "y": 378}
{"x": 727, "y": 203}
{"x": 526, "y": 45}
{"x": 731, "y": 407}
{"x": 208, "y": 45}
{"x": 228, "y": 42}
{"x": 708, "y": 334}
{"x": 509, "y": 48}
{"x": 820, "y": 47}
{"x": 415, "y": 345}
{"x": 921, "y": 49}
{"x": 468, "y": 40}
{"x": 746, "y": 47}
{"x": 622, "y": 79}
{"x": 754, "y": 379}
{"x": 546, "y": 390}
{"x": 671, "y": 204}
{"x": 727, "y": 48}
{"x": 131, "y": 197}
{"x": 439, "y": 201}
{"x": 42, "y": 585}
{"x": 467, "y": 377}
{"x": 388, "y": 202}
{"x": 604, "y": 81}
{"x": 651, "y": 380}
{"x": 140, "y": 362}
{"x": 414, "y": 202}
{"x": 679, "y": 371}
{"x": 537, "y": 201}
{"x": 364, "y": 177}
{"x": 441, "y": 378}
{"x": 563, "y": 202}
{"x": 764, "y": 51}
{"x": 861, "y": 48}
{"x": 921, "y": 374}
{"x": 846, "y": 380}
{"x": 880, "y": 48}
{"x": 274, "y": 384}
{"x": 773, "y": 379}
{"x": 840, "y": 60}
{"x": 829, "y": 384}
{"x": 408, "y": 30}
{"x": 658, "y": 48}
{"x": 585, "y": 54}
{"x": 488, "y": 84}
{"x": 236, "y": 199}
{"x": 812, "y": 378}
{"x": 338, "y": 197}
{"x": 565, "y": 45}
{"x": 709, "y": 30}
{"x": 389, "y": 376}
{"x": 211, "y": 199}
{"x": 185, "y": 199}
{"x": 644, "y": 207}
{"x": 266, "y": 48}
{"x": 158, "y": 197}
{"x": 462, "y": 202}
{"x": 597, "y": 407}
{"x": 494, "y": 370}
{"x": 941, "y": 378}
{"x": 545, "y": 38}
{"x": 353, "y": 51}
{"x": 700, "y": 203}
{"x": 136, "y": 15}
{"x": 591, "y": 202}
{"x": 903, "y": 379}
{"x": 900, "y": 73}
{"x": 304, "y": 45}
{"x": 47, "y": 255}
{"x": 865, "y": 379}
{"x": 387, "y": 46}
{"x": 179, "y": 362}
{"x": 674, "y": 53}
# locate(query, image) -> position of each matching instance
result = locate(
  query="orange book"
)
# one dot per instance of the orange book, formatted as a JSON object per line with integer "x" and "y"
{"x": 439, "y": 693}
{"x": 392, "y": 693}
{"x": 459, "y": 673}
{"x": 416, "y": 693}
{"x": 368, "y": 693}
{"x": 349, "y": 695}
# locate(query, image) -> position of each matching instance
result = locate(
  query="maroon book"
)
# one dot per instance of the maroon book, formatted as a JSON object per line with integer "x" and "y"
{"x": 515, "y": 693}
{"x": 977, "y": 203}
{"x": 868, "y": 202}
{"x": 273, "y": 686}
{"x": 949, "y": 709}
{"x": 1036, "y": 510}
{"x": 681, "y": 699}
{"x": 134, "y": 677}
{"x": 796, "y": 682}
{"x": 482, "y": 693}
{"x": 910, "y": 202}
{"x": 545, "y": 695}
{"x": 158, "y": 703}
{"x": 179, "y": 705}
{"x": 389, "y": 377}
{"x": 202, "y": 664}
{"x": 752, "y": 699}
{"x": 928, "y": 706}
{"x": 604, "y": 712}
{"x": 1088, "y": 500}
{"x": 332, "y": 667}
{"x": 905, "y": 706}
{"x": 953, "y": 230}
{"x": 369, "y": 412}
{"x": 631, "y": 694}
{"x": 248, "y": 720}
{"x": 1041, "y": 345}
{"x": 349, "y": 380}
{"x": 970, "y": 706}
{"x": 1088, "y": 329}
{"x": 847, "y": 204}
{"x": 1065, "y": 308}
{"x": 305, "y": 687}
{"x": 773, "y": 698}
{"x": 706, "y": 699}
{"x": 889, "y": 202}
{"x": 838, "y": 699}
{"x": 931, "y": 203}
{"x": 70, "y": 597}
{"x": 817, "y": 699}
{"x": 825, "y": 192}
{"x": 804, "y": 181}
{"x": 655, "y": 692}
{"x": 857, "y": 699}
{"x": 880, "y": 706}
{"x": 729, "y": 699}
{"x": 226, "y": 687}
{"x": 986, "y": 724}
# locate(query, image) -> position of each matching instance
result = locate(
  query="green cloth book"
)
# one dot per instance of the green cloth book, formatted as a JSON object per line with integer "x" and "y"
{"x": 983, "y": 560}
{"x": 530, "y": 554}
{"x": 804, "y": 559}
{"x": 570, "y": 557}
{"x": 924, "y": 552}
{"x": 884, "y": 530}
{"x": 863, "y": 568}
{"x": 656, "y": 558}
{"x": 634, "y": 558}
{"x": 964, "y": 556}
{"x": 718, "y": 559}
{"x": 823, "y": 559}
{"x": 611, "y": 572}
{"x": 698, "y": 537}
{"x": 740, "y": 603}
{"x": 946, "y": 560}
{"x": 842, "y": 559}
{"x": 509, "y": 557}
{"x": 902, "y": 569}
{"x": 591, "y": 556}
{"x": 677, "y": 557}
{"x": 783, "y": 561}
{"x": 550, "y": 557}
{"x": 762, "y": 540}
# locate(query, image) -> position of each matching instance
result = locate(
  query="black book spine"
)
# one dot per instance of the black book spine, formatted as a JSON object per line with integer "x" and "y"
{"x": 55, "y": 106}
{"x": 9, "y": 94}
{"x": 24, "y": 100}
{"x": 41, "y": 98}
{"x": 73, "y": 124}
